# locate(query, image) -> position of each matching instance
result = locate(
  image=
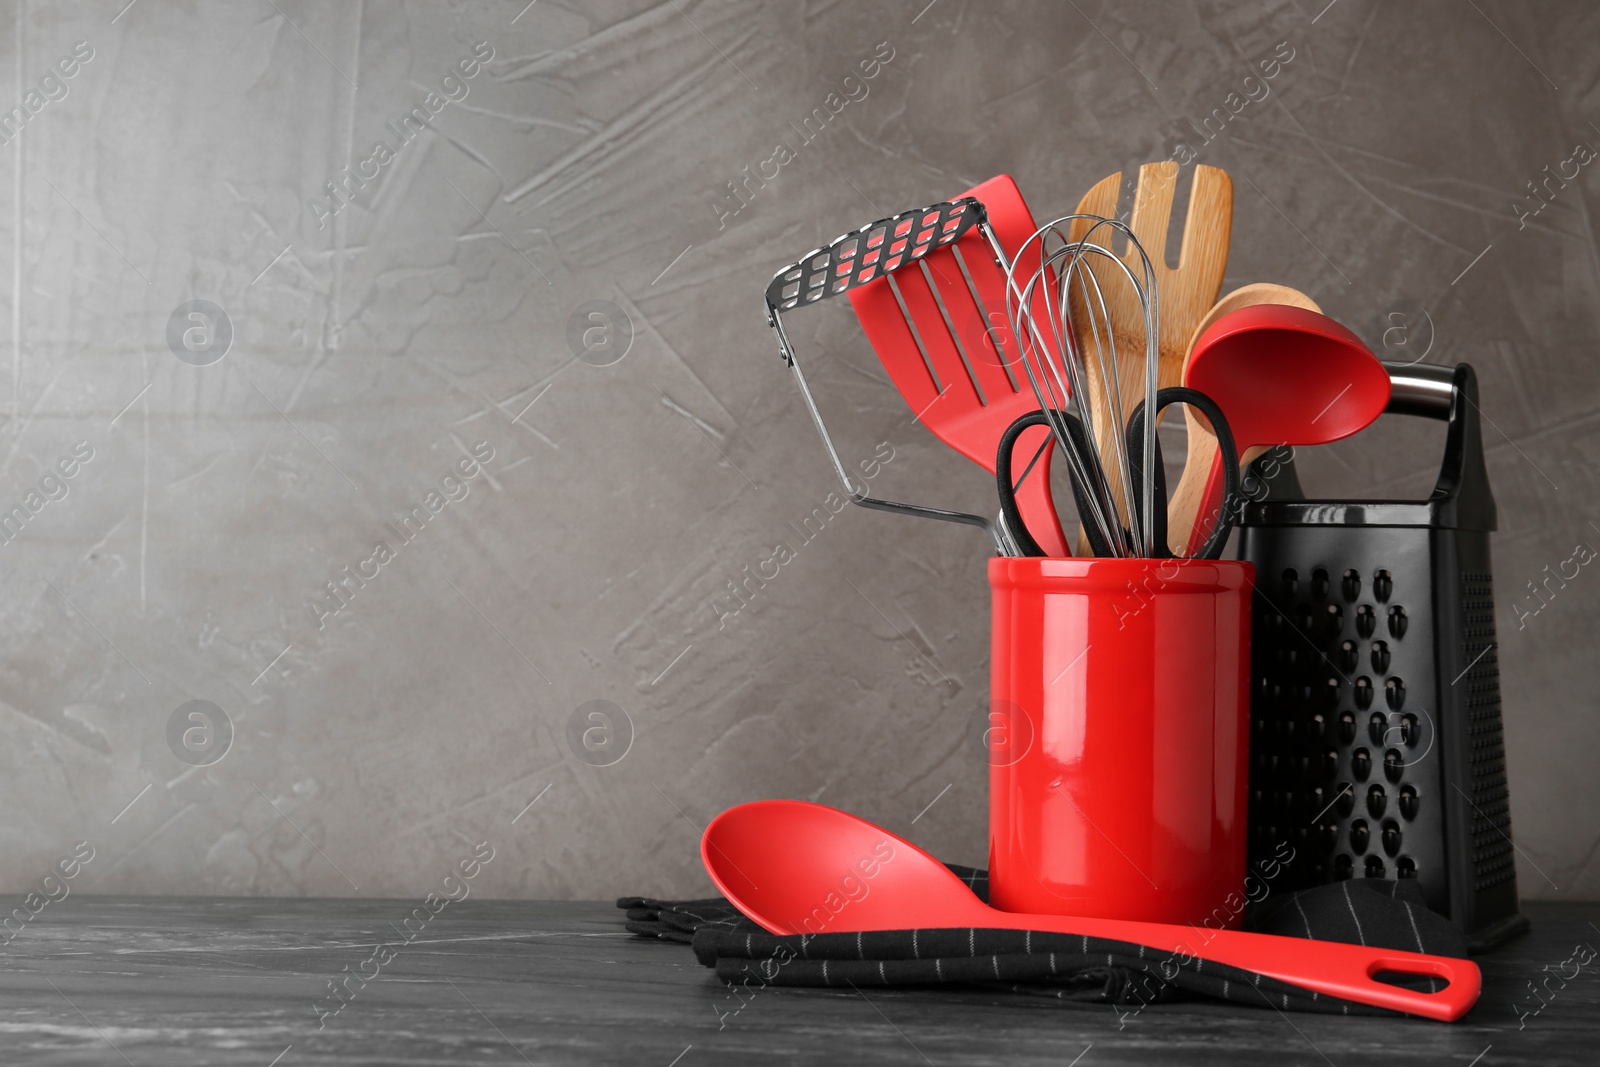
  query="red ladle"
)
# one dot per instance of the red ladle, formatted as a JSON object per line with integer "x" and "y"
{"x": 794, "y": 867}
{"x": 1283, "y": 376}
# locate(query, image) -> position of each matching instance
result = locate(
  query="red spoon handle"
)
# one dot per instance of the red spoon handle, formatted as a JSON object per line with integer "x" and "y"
{"x": 1331, "y": 968}
{"x": 1349, "y": 971}
{"x": 1033, "y": 497}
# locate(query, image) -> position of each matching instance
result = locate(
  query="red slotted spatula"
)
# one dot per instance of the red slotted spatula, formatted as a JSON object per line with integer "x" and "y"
{"x": 939, "y": 328}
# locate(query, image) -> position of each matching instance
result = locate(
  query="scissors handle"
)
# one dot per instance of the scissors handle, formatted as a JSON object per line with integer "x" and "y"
{"x": 1177, "y": 394}
{"x": 1080, "y": 444}
{"x": 1025, "y": 542}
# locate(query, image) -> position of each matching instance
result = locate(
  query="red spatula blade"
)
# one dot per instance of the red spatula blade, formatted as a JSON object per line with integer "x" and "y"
{"x": 968, "y": 344}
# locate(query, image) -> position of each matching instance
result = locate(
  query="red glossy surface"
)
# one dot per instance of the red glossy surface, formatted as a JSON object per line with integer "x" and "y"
{"x": 794, "y": 868}
{"x": 957, "y": 416}
{"x": 1119, "y": 790}
{"x": 1284, "y": 376}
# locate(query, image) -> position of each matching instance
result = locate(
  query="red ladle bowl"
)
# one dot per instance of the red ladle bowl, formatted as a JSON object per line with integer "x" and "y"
{"x": 1283, "y": 376}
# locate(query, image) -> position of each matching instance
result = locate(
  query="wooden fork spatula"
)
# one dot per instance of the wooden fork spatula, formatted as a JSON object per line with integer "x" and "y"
{"x": 1185, "y": 293}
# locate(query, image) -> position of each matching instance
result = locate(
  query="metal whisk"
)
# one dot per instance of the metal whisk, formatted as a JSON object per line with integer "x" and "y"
{"x": 1056, "y": 346}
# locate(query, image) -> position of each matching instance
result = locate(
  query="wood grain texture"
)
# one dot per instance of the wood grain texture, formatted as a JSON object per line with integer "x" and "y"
{"x": 224, "y": 982}
{"x": 1184, "y": 503}
{"x": 1184, "y": 292}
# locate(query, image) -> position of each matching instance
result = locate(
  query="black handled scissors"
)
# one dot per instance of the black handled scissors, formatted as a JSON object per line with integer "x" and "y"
{"x": 1079, "y": 442}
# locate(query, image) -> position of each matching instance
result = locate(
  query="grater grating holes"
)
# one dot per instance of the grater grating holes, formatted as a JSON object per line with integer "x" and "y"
{"x": 1377, "y": 800}
{"x": 1408, "y": 801}
{"x": 1492, "y": 859}
{"x": 1347, "y": 800}
{"x": 1366, "y": 620}
{"x": 1319, "y": 584}
{"x": 1376, "y": 726}
{"x": 1351, "y": 586}
{"x": 1397, "y": 621}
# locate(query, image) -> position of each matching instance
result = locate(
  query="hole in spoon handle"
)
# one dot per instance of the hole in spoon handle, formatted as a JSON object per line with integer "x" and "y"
{"x": 1461, "y": 984}
{"x": 1348, "y": 972}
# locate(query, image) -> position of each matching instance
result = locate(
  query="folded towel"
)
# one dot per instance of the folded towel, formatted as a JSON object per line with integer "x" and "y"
{"x": 1072, "y": 967}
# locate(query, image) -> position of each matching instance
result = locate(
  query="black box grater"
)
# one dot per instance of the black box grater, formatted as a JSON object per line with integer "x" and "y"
{"x": 1376, "y": 747}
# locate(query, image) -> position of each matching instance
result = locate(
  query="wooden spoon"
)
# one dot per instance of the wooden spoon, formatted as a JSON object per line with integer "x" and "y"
{"x": 1185, "y": 292}
{"x": 1181, "y": 512}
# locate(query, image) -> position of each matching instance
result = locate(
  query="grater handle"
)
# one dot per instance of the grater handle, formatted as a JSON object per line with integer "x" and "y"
{"x": 1461, "y": 498}
{"x": 1423, "y": 389}
{"x": 1420, "y": 389}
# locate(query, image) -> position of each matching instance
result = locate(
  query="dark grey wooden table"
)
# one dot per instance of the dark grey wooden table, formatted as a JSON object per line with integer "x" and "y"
{"x": 165, "y": 981}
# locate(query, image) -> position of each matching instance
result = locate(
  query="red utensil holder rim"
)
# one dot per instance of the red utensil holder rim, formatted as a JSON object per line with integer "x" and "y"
{"x": 1067, "y": 574}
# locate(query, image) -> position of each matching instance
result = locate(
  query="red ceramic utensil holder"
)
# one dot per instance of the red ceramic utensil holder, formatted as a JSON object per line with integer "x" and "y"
{"x": 1119, "y": 717}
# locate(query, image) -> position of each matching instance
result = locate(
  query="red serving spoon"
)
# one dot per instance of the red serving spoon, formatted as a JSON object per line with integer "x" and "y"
{"x": 1283, "y": 376}
{"x": 794, "y": 867}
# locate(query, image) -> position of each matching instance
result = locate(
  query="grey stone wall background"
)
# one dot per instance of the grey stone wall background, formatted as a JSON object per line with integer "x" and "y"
{"x": 372, "y": 349}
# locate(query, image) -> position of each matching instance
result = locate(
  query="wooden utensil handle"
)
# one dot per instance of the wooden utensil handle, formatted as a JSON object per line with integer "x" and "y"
{"x": 1184, "y": 508}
